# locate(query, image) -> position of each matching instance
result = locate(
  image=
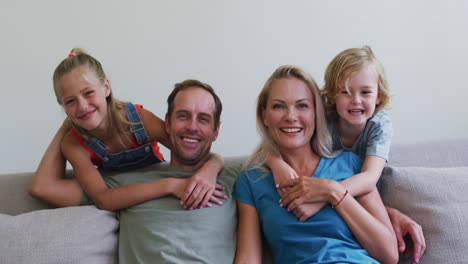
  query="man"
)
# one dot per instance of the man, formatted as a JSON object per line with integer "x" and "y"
{"x": 161, "y": 230}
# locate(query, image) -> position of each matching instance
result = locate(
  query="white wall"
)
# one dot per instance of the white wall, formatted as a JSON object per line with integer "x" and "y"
{"x": 147, "y": 46}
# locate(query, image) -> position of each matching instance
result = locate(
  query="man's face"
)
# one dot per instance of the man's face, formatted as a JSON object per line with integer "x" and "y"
{"x": 191, "y": 128}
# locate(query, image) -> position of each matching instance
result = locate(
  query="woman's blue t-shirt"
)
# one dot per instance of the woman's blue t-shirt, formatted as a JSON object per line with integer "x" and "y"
{"x": 323, "y": 238}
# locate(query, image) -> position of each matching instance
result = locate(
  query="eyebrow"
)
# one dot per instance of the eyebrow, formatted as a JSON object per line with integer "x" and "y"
{"x": 297, "y": 101}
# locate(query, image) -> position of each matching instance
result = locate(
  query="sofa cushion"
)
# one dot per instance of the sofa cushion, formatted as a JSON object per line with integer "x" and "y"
{"x": 436, "y": 198}
{"x": 80, "y": 234}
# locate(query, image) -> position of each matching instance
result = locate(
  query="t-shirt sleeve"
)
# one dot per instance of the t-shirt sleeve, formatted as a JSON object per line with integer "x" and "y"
{"x": 242, "y": 189}
{"x": 380, "y": 136}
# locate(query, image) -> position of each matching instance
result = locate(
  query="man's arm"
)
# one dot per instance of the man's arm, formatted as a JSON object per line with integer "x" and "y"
{"x": 404, "y": 227}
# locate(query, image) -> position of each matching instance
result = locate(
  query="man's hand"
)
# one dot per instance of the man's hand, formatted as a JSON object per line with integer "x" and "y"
{"x": 199, "y": 191}
{"x": 407, "y": 230}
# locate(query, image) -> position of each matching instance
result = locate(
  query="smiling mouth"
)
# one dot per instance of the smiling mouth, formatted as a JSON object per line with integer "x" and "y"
{"x": 86, "y": 115}
{"x": 291, "y": 130}
{"x": 190, "y": 140}
{"x": 355, "y": 112}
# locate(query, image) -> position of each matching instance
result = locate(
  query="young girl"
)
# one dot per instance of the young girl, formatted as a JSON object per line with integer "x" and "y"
{"x": 355, "y": 93}
{"x": 104, "y": 133}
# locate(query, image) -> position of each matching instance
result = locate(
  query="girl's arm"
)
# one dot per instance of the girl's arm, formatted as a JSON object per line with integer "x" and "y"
{"x": 48, "y": 183}
{"x": 368, "y": 220}
{"x": 202, "y": 187}
{"x": 365, "y": 181}
{"x": 249, "y": 241}
{"x": 117, "y": 198}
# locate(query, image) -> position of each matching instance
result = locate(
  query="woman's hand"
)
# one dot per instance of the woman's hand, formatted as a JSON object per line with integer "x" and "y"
{"x": 306, "y": 210}
{"x": 304, "y": 190}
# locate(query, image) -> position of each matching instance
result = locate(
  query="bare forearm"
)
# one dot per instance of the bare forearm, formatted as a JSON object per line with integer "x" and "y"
{"x": 127, "y": 196}
{"x": 372, "y": 231}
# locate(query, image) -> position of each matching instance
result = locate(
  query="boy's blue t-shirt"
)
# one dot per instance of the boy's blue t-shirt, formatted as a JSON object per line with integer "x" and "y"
{"x": 323, "y": 238}
{"x": 375, "y": 140}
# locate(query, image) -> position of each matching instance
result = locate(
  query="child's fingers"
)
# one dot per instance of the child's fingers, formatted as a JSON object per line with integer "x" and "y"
{"x": 187, "y": 192}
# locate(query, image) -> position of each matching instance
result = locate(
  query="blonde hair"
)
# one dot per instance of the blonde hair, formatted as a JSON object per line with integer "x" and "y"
{"x": 345, "y": 64}
{"x": 79, "y": 58}
{"x": 320, "y": 141}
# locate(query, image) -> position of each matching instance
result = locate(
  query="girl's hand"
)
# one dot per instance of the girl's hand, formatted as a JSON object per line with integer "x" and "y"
{"x": 199, "y": 191}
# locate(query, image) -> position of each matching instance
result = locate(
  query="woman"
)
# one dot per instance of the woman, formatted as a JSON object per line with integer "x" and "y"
{"x": 291, "y": 120}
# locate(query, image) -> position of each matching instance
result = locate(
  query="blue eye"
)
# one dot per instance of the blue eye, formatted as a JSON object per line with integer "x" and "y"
{"x": 277, "y": 106}
{"x": 303, "y": 106}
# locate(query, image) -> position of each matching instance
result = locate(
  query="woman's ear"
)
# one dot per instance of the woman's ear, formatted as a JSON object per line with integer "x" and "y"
{"x": 265, "y": 123}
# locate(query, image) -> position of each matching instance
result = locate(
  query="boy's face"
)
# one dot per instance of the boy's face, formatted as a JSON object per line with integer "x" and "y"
{"x": 358, "y": 97}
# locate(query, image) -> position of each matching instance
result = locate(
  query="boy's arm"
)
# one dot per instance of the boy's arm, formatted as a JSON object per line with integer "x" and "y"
{"x": 363, "y": 182}
{"x": 280, "y": 169}
{"x": 202, "y": 186}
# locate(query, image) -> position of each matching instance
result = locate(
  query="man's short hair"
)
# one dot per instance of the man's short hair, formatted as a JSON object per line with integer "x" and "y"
{"x": 195, "y": 83}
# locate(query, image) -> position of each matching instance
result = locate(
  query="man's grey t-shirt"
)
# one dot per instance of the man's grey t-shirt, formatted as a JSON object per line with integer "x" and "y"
{"x": 161, "y": 231}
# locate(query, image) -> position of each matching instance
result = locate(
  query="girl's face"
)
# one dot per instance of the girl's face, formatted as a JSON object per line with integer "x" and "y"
{"x": 83, "y": 97}
{"x": 356, "y": 104}
{"x": 289, "y": 114}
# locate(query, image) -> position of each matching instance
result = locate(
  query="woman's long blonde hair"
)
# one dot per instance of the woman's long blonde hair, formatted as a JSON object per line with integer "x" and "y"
{"x": 320, "y": 141}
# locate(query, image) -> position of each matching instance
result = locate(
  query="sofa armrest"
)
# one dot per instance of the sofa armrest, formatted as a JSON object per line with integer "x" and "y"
{"x": 14, "y": 196}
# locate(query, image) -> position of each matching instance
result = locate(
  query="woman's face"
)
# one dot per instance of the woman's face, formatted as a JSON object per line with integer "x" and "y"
{"x": 289, "y": 114}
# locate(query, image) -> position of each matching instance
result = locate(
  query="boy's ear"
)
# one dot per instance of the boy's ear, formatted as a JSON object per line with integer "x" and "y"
{"x": 378, "y": 100}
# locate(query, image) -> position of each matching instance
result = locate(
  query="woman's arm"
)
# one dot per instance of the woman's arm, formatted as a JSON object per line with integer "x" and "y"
{"x": 366, "y": 180}
{"x": 117, "y": 198}
{"x": 368, "y": 220}
{"x": 48, "y": 183}
{"x": 249, "y": 240}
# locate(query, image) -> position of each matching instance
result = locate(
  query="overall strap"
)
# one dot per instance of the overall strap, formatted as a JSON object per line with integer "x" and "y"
{"x": 137, "y": 127}
{"x": 94, "y": 147}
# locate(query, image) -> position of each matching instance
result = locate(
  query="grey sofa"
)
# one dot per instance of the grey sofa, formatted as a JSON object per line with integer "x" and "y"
{"x": 427, "y": 181}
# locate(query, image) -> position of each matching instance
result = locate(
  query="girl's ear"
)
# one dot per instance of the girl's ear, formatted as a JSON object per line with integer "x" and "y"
{"x": 107, "y": 88}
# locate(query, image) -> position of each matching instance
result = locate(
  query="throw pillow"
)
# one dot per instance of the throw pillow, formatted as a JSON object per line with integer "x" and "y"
{"x": 435, "y": 198}
{"x": 81, "y": 234}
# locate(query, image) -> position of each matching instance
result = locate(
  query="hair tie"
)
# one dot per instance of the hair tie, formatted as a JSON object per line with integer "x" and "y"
{"x": 71, "y": 54}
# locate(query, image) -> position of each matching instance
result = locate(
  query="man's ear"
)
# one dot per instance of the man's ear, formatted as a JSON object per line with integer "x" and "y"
{"x": 167, "y": 124}
{"x": 216, "y": 132}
